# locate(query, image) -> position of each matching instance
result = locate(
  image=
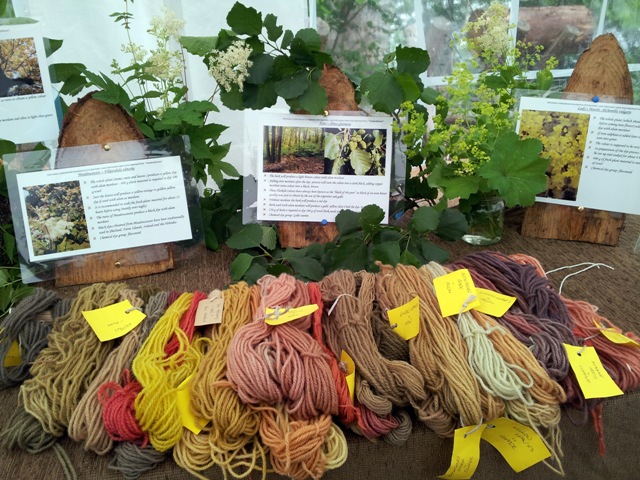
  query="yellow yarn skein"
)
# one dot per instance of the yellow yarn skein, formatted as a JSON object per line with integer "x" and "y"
{"x": 161, "y": 375}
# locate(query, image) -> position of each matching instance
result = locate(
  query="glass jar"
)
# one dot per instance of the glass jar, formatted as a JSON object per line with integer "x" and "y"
{"x": 485, "y": 221}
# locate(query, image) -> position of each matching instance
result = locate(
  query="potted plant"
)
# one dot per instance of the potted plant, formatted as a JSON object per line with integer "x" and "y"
{"x": 474, "y": 153}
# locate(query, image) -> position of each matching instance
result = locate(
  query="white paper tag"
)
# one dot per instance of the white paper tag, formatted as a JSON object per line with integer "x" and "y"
{"x": 210, "y": 310}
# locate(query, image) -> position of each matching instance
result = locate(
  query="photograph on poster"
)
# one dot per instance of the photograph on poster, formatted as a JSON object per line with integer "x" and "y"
{"x": 593, "y": 150}
{"x": 27, "y": 100}
{"x": 563, "y": 136}
{"x": 104, "y": 207}
{"x": 312, "y": 167}
{"x": 324, "y": 151}
{"x": 19, "y": 68}
{"x": 56, "y": 217}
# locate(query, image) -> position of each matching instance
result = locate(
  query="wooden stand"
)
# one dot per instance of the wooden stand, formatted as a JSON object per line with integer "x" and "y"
{"x": 91, "y": 122}
{"x": 601, "y": 70}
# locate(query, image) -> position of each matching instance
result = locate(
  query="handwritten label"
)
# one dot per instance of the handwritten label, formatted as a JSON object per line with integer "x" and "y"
{"x": 279, "y": 315}
{"x": 453, "y": 291}
{"x": 520, "y": 446}
{"x": 593, "y": 379}
{"x": 183, "y": 398}
{"x": 114, "y": 321}
{"x": 13, "y": 357}
{"x": 466, "y": 453}
{"x": 210, "y": 310}
{"x": 350, "y": 373}
{"x": 405, "y": 319}
{"x": 493, "y": 303}
{"x": 616, "y": 337}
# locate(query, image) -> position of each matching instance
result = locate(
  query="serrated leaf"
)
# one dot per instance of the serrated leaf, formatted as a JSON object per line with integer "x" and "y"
{"x": 430, "y": 96}
{"x": 293, "y": 86}
{"x": 310, "y": 37}
{"x": 269, "y": 237}
{"x": 286, "y": 39}
{"x": 351, "y": 254}
{"x": 260, "y": 69}
{"x": 516, "y": 169}
{"x": 383, "y": 90}
{"x": 425, "y": 219}
{"x": 60, "y": 72}
{"x": 258, "y": 97}
{"x": 408, "y": 258}
{"x": 453, "y": 186}
{"x": 411, "y": 88}
{"x": 452, "y": 225}
{"x": 255, "y": 273}
{"x": 313, "y": 100}
{"x": 248, "y": 237}
{"x": 388, "y": 253}
{"x": 240, "y": 265}
{"x": 432, "y": 252}
{"x": 279, "y": 269}
{"x": 370, "y": 217}
{"x": 412, "y": 60}
{"x": 244, "y": 20}
{"x": 307, "y": 267}
{"x": 199, "y": 46}
{"x": 347, "y": 221}
{"x": 273, "y": 29}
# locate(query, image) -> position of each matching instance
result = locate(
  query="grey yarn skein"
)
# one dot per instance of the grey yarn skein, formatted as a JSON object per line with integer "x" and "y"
{"x": 22, "y": 325}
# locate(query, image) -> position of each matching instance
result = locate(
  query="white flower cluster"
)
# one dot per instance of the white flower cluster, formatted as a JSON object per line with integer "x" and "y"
{"x": 231, "y": 66}
{"x": 167, "y": 26}
{"x": 166, "y": 63}
{"x": 137, "y": 52}
{"x": 57, "y": 227}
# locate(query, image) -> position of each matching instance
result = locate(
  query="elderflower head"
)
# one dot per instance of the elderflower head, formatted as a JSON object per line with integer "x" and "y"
{"x": 231, "y": 66}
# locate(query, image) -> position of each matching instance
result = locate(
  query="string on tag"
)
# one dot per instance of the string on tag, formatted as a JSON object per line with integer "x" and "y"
{"x": 590, "y": 265}
{"x": 277, "y": 313}
{"x": 335, "y": 302}
{"x": 474, "y": 429}
{"x": 466, "y": 303}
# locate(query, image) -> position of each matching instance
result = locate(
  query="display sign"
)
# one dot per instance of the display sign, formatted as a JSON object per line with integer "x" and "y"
{"x": 312, "y": 167}
{"x": 27, "y": 106}
{"x": 594, "y": 151}
{"x": 99, "y": 208}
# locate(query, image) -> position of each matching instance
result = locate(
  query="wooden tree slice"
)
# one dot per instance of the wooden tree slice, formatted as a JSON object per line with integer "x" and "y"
{"x": 601, "y": 70}
{"x": 341, "y": 97}
{"x": 89, "y": 125}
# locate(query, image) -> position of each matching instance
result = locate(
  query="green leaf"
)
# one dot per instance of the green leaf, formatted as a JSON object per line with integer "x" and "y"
{"x": 308, "y": 268}
{"x": 516, "y": 169}
{"x": 73, "y": 85}
{"x": 412, "y": 60}
{"x": 410, "y": 88}
{"x": 60, "y": 72}
{"x": 286, "y": 39}
{"x": 347, "y": 221}
{"x": 311, "y": 38}
{"x": 432, "y": 252}
{"x": 248, "y": 237}
{"x": 370, "y": 218}
{"x": 313, "y": 100}
{"x": 261, "y": 68}
{"x": 199, "y": 46}
{"x": 255, "y": 273}
{"x": 351, "y": 254}
{"x": 9, "y": 244}
{"x": 273, "y": 29}
{"x": 244, "y": 20}
{"x": 331, "y": 146}
{"x": 293, "y": 86}
{"x": 51, "y": 45}
{"x": 269, "y": 237}
{"x": 388, "y": 253}
{"x": 232, "y": 99}
{"x": 258, "y": 97}
{"x": 360, "y": 161}
{"x": 430, "y": 96}
{"x": 425, "y": 219}
{"x": 240, "y": 265}
{"x": 452, "y": 225}
{"x": 408, "y": 258}
{"x": 384, "y": 91}
{"x": 453, "y": 186}
{"x": 3, "y": 7}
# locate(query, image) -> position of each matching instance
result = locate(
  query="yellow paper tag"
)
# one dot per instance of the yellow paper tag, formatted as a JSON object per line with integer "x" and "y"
{"x": 593, "y": 379}
{"x": 405, "y": 319}
{"x": 520, "y": 446}
{"x": 114, "y": 321}
{"x": 453, "y": 291}
{"x": 350, "y": 373}
{"x": 13, "y": 357}
{"x": 279, "y": 315}
{"x": 616, "y": 337}
{"x": 183, "y": 398}
{"x": 466, "y": 453}
{"x": 210, "y": 310}
{"x": 493, "y": 303}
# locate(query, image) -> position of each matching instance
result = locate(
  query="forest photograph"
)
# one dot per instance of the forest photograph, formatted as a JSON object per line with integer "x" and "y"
{"x": 328, "y": 151}
{"x": 564, "y": 137}
{"x": 19, "y": 68}
{"x": 56, "y": 217}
